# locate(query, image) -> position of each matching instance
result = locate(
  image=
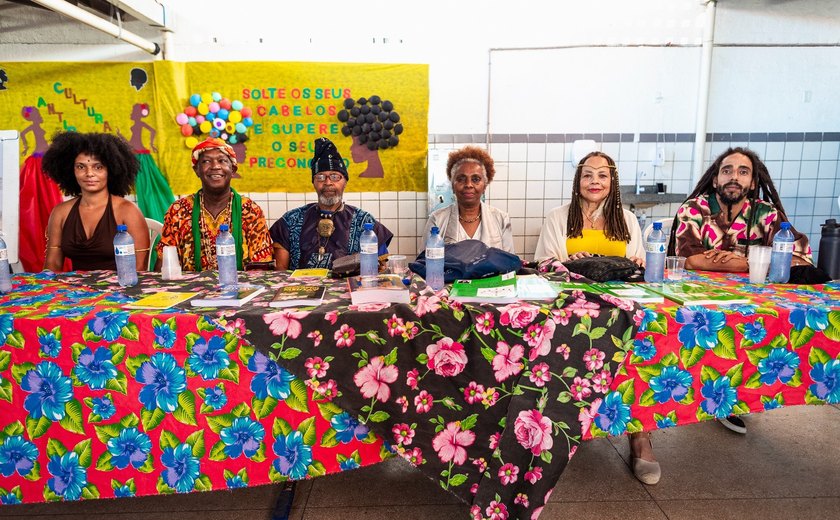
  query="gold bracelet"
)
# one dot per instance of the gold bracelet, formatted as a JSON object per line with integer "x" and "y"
{"x": 141, "y": 250}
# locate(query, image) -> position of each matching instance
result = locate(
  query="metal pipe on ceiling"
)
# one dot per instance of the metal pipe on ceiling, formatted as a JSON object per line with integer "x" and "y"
{"x": 62, "y": 7}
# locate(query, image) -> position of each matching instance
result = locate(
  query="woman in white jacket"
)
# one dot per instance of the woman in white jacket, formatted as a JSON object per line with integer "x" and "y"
{"x": 470, "y": 170}
{"x": 595, "y": 223}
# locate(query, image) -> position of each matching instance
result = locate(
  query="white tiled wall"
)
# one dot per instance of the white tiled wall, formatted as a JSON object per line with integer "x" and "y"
{"x": 534, "y": 177}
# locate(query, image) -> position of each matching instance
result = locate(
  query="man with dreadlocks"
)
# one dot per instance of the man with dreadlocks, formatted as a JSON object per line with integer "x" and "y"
{"x": 725, "y": 215}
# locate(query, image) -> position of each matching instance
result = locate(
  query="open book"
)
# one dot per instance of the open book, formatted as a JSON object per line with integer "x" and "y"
{"x": 237, "y": 297}
{"x": 160, "y": 300}
{"x": 637, "y": 292}
{"x": 693, "y": 293}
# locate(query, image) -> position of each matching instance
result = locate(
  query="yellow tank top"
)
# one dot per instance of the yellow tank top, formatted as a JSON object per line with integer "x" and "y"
{"x": 595, "y": 241}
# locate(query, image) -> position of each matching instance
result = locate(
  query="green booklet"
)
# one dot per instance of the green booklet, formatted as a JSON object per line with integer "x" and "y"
{"x": 637, "y": 292}
{"x": 693, "y": 293}
{"x": 496, "y": 289}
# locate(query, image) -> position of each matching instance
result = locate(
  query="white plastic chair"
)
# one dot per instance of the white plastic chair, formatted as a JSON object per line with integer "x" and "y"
{"x": 155, "y": 229}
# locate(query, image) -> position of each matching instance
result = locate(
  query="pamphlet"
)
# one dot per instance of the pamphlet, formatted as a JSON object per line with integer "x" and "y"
{"x": 495, "y": 289}
{"x": 535, "y": 287}
{"x": 310, "y": 273}
{"x": 693, "y": 293}
{"x": 160, "y": 300}
{"x": 636, "y": 292}
{"x": 229, "y": 297}
{"x": 298, "y": 296}
{"x": 383, "y": 288}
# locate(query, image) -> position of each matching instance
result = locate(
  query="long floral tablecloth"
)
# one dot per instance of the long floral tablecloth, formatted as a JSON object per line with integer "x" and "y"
{"x": 98, "y": 401}
{"x": 484, "y": 399}
{"x": 490, "y": 401}
{"x": 692, "y": 363}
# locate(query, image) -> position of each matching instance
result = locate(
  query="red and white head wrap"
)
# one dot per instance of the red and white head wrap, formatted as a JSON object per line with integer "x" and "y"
{"x": 213, "y": 143}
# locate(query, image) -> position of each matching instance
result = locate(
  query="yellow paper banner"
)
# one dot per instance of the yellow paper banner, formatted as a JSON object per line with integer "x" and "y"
{"x": 271, "y": 113}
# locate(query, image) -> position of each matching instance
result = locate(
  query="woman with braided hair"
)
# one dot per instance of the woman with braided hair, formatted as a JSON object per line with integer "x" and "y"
{"x": 728, "y": 212}
{"x": 594, "y": 222}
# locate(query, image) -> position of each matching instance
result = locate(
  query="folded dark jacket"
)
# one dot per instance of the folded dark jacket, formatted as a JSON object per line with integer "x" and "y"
{"x": 470, "y": 259}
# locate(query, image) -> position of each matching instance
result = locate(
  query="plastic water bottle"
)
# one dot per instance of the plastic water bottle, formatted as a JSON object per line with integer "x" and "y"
{"x": 226, "y": 257}
{"x": 655, "y": 251}
{"x": 124, "y": 255}
{"x": 782, "y": 255}
{"x": 5, "y": 274}
{"x": 369, "y": 252}
{"x": 434, "y": 260}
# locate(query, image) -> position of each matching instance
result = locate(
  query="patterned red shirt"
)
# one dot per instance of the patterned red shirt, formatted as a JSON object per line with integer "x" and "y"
{"x": 177, "y": 231}
{"x": 702, "y": 227}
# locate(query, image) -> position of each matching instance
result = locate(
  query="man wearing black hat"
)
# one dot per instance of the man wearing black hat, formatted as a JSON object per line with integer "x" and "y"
{"x": 316, "y": 234}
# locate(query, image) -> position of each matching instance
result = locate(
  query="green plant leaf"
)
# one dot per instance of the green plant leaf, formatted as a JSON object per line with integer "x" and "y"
{"x": 263, "y": 407}
{"x": 72, "y": 420}
{"x": 297, "y": 399}
{"x": 185, "y": 413}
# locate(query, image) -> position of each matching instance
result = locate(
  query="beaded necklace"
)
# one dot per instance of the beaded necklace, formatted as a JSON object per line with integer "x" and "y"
{"x": 208, "y": 224}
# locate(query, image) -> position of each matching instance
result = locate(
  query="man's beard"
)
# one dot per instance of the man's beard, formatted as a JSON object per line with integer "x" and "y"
{"x": 726, "y": 199}
{"x": 323, "y": 200}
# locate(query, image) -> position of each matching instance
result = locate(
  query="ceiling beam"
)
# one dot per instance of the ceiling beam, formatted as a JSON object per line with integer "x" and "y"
{"x": 79, "y": 14}
{"x": 151, "y": 12}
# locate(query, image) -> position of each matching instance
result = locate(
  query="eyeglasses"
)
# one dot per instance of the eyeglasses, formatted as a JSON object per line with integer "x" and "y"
{"x": 334, "y": 177}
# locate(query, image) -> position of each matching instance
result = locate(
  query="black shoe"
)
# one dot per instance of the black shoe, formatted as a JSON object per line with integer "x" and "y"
{"x": 734, "y": 423}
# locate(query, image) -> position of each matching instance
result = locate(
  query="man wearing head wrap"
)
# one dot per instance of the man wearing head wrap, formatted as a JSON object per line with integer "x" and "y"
{"x": 315, "y": 234}
{"x": 192, "y": 223}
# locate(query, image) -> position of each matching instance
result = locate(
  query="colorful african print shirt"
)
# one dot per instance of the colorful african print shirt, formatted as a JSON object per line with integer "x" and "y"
{"x": 297, "y": 233}
{"x": 177, "y": 231}
{"x": 701, "y": 227}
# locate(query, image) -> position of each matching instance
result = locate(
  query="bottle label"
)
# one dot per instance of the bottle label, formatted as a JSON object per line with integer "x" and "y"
{"x": 369, "y": 249}
{"x": 4, "y": 254}
{"x": 782, "y": 247}
{"x": 654, "y": 247}
{"x": 225, "y": 250}
{"x": 434, "y": 253}
{"x": 124, "y": 250}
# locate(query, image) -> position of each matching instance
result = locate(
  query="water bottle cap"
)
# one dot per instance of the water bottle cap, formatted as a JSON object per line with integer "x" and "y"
{"x": 785, "y": 225}
{"x": 368, "y": 226}
{"x": 657, "y": 225}
{"x": 121, "y": 228}
{"x": 223, "y": 228}
{"x": 435, "y": 230}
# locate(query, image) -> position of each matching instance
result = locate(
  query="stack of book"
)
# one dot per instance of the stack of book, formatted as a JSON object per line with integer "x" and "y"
{"x": 384, "y": 288}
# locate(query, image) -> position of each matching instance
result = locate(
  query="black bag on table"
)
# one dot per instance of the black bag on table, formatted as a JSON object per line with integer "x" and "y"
{"x": 605, "y": 268}
{"x": 470, "y": 259}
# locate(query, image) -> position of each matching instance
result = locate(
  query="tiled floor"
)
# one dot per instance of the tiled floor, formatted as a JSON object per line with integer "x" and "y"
{"x": 786, "y": 467}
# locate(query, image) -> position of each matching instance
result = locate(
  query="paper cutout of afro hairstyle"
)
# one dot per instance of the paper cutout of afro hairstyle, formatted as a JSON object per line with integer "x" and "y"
{"x": 373, "y": 121}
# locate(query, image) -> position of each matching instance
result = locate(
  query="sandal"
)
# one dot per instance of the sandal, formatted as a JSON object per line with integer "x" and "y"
{"x": 647, "y": 472}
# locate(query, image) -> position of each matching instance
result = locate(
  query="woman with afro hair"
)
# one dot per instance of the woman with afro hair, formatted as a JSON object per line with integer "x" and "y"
{"x": 471, "y": 170}
{"x": 97, "y": 170}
